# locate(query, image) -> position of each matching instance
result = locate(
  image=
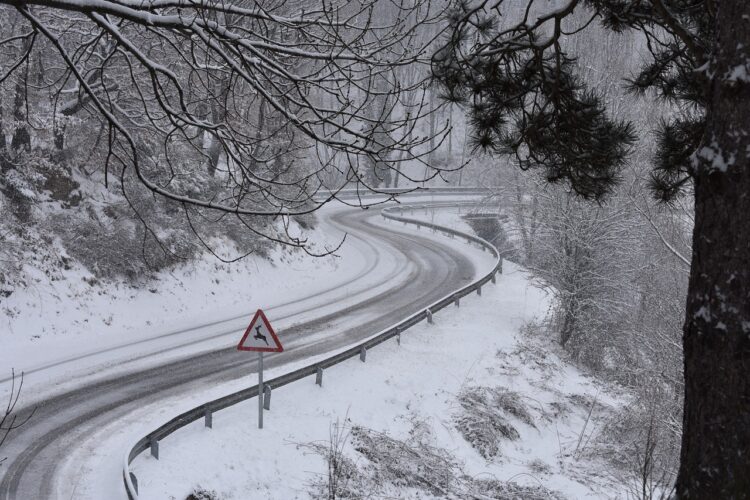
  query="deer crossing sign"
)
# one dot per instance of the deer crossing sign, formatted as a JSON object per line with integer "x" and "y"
{"x": 259, "y": 336}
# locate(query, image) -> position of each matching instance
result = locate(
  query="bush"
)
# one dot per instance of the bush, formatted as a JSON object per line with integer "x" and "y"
{"x": 202, "y": 494}
{"x": 406, "y": 464}
{"x": 484, "y": 423}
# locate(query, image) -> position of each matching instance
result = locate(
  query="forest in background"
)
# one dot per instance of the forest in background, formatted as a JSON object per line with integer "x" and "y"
{"x": 618, "y": 269}
{"x": 227, "y": 162}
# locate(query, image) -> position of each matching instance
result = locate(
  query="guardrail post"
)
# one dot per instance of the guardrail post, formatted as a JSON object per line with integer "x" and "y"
{"x": 479, "y": 291}
{"x": 398, "y": 336}
{"x": 500, "y": 266}
{"x": 154, "y": 448}
{"x": 429, "y": 317}
{"x": 319, "y": 376}
{"x": 493, "y": 279}
{"x": 208, "y": 417}
{"x": 267, "y": 397}
{"x": 457, "y": 302}
{"x": 362, "y": 354}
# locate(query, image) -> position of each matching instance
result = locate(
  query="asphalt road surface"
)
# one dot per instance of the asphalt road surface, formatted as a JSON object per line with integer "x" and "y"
{"x": 428, "y": 271}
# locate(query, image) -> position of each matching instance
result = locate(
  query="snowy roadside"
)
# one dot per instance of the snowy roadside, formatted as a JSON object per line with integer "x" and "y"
{"x": 58, "y": 330}
{"x": 93, "y": 467}
{"x": 422, "y": 399}
{"x": 58, "y": 321}
{"x": 442, "y": 216}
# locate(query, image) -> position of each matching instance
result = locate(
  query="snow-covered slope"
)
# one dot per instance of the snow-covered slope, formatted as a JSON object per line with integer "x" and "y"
{"x": 405, "y": 420}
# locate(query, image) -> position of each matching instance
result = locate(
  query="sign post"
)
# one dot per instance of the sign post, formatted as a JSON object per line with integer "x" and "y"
{"x": 260, "y": 337}
{"x": 261, "y": 392}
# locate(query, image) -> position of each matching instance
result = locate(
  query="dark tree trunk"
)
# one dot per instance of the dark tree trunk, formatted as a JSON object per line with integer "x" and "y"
{"x": 218, "y": 114}
{"x": 21, "y": 138}
{"x": 568, "y": 326}
{"x": 715, "y": 457}
{"x": 4, "y": 161}
{"x": 258, "y": 147}
{"x": 3, "y": 143}
{"x": 433, "y": 128}
{"x": 59, "y": 135}
{"x": 214, "y": 153}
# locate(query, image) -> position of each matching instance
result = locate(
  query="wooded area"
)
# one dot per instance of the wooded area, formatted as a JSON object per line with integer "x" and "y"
{"x": 221, "y": 127}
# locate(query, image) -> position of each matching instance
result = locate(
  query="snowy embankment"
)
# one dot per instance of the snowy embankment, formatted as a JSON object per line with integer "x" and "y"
{"x": 64, "y": 329}
{"x": 475, "y": 406}
{"x": 62, "y": 332}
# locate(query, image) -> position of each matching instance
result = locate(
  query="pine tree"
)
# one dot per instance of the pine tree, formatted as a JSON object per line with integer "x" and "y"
{"x": 524, "y": 99}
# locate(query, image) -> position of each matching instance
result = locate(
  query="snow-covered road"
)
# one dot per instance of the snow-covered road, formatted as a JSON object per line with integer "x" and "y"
{"x": 400, "y": 272}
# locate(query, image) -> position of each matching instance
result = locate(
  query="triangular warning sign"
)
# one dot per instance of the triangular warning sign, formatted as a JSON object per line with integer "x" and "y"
{"x": 259, "y": 336}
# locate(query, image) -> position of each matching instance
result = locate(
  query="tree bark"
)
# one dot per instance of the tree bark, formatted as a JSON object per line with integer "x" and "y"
{"x": 218, "y": 115}
{"x": 3, "y": 142}
{"x": 58, "y": 130}
{"x": 21, "y": 138}
{"x": 4, "y": 161}
{"x": 715, "y": 456}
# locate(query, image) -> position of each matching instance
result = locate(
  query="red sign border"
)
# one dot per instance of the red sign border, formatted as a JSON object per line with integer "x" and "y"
{"x": 260, "y": 314}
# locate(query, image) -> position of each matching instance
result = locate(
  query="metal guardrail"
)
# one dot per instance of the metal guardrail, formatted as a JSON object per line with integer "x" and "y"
{"x": 406, "y": 191}
{"x": 206, "y": 410}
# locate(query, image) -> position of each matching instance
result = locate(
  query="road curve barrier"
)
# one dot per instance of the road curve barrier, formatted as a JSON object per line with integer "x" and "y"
{"x": 206, "y": 410}
{"x": 349, "y": 192}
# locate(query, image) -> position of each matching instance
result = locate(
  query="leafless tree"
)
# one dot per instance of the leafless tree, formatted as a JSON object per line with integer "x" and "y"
{"x": 219, "y": 106}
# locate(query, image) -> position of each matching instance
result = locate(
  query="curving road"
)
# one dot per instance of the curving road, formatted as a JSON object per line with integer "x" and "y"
{"x": 425, "y": 271}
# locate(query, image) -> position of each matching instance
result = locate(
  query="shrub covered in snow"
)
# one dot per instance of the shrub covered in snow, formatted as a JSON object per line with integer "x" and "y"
{"x": 203, "y": 494}
{"x": 408, "y": 468}
{"x": 484, "y": 422}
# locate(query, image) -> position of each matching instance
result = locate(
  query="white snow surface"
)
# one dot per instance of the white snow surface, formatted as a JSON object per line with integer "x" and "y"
{"x": 65, "y": 332}
{"x": 93, "y": 468}
{"x": 482, "y": 343}
{"x": 67, "y": 329}
{"x": 442, "y": 216}
{"x": 96, "y": 334}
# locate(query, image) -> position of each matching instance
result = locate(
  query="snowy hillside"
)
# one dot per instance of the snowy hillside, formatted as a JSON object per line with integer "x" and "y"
{"x": 482, "y": 404}
{"x": 478, "y": 404}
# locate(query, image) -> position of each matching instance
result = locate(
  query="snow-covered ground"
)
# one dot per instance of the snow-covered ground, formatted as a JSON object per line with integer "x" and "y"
{"x": 68, "y": 327}
{"x": 63, "y": 331}
{"x": 443, "y": 216}
{"x": 415, "y": 393}
{"x": 403, "y": 421}
{"x": 91, "y": 467}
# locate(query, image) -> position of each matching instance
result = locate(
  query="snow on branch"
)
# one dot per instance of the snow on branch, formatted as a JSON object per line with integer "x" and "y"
{"x": 226, "y": 105}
